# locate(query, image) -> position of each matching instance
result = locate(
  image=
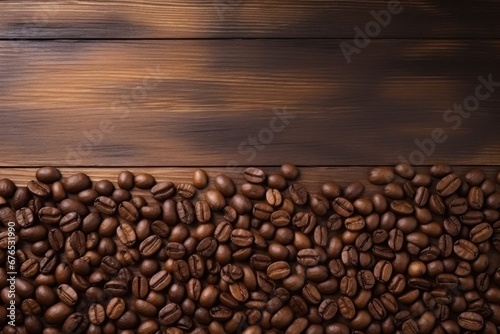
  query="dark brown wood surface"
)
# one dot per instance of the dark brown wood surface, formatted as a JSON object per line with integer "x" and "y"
{"x": 243, "y": 19}
{"x": 214, "y": 102}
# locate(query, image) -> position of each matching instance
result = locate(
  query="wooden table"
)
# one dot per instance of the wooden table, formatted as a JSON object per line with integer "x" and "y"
{"x": 163, "y": 86}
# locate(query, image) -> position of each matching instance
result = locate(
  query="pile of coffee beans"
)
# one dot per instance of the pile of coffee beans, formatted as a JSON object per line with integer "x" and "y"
{"x": 266, "y": 255}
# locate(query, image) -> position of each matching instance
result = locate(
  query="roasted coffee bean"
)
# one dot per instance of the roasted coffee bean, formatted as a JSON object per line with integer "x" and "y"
{"x": 346, "y": 307}
{"x": 273, "y": 197}
{"x": 24, "y": 217}
{"x": 239, "y": 291}
{"x": 48, "y": 175}
{"x": 383, "y": 271}
{"x": 105, "y": 205}
{"x": 200, "y": 179}
{"x": 289, "y": 171}
{"x": 470, "y": 321}
{"x": 319, "y": 204}
{"x": 377, "y": 309}
{"x": 480, "y": 233}
{"x": 160, "y": 281}
{"x": 353, "y": 190}
{"x": 381, "y": 175}
{"x": 208, "y": 246}
{"x": 253, "y": 191}
{"x": 366, "y": 279}
{"x": 354, "y": 223}
{"x": 278, "y": 270}
{"x": 254, "y": 175}
{"x": 343, "y": 207}
{"x": 472, "y": 218}
{"x": 465, "y": 249}
{"x": 49, "y": 215}
{"x": 298, "y": 193}
{"x": 241, "y": 238}
{"x": 225, "y": 185}
{"x": 67, "y": 294}
{"x": 96, "y": 314}
{"x": 144, "y": 181}
{"x": 116, "y": 287}
{"x": 328, "y": 309}
{"x": 186, "y": 190}
{"x": 49, "y": 262}
{"x": 215, "y": 200}
{"x": 395, "y": 239}
{"x": 350, "y": 256}
{"x": 30, "y": 268}
{"x": 308, "y": 257}
{"x": 185, "y": 211}
{"x": 348, "y": 286}
{"x": 77, "y": 182}
{"x": 305, "y": 221}
{"x": 262, "y": 211}
{"x": 260, "y": 261}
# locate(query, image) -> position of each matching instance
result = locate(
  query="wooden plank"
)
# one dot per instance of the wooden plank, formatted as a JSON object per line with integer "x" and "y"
{"x": 186, "y": 103}
{"x": 237, "y": 19}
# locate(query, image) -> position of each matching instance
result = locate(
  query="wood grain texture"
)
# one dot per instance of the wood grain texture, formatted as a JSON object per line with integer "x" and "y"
{"x": 214, "y": 103}
{"x": 36, "y": 19}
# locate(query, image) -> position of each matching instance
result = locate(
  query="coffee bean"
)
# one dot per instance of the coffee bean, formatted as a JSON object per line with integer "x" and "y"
{"x": 350, "y": 256}
{"x": 239, "y": 291}
{"x": 366, "y": 279}
{"x": 346, "y": 307}
{"x": 186, "y": 190}
{"x": 207, "y": 246}
{"x": 96, "y": 314}
{"x": 160, "y": 281}
{"x": 262, "y": 211}
{"x": 185, "y": 211}
{"x": 67, "y": 294}
{"x": 298, "y": 193}
{"x": 381, "y": 175}
{"x": 126, "y": 180}
{"x": 105, "y": 205}
{"x": 353, "y": 190}
{"x": 377, "y": 309}
{"x": 150, "y": 245}
{"x": 278, "y": 270}
{"x": 465, "y": 249}
{"x": 48, "y": 175}
{"x": 305, "y": 221}
{"x": 348, "y": 286}
{"x": 241, "y": 238}
{"x": 448, "y": 185}
{"x": 144, "y": 181}
{"x": 289, "y": 171}
{"x": 253, "y": 191}
{"x": 471, "y": 218}
{"x": 343, "y": 207}
{"x": 402, "y": 207}
{"x": 254, "y": 175}
{"x": 475, "y": 198}
{"x": 38, "y": 189}
{"x": 215, "y": 200}
{"x": 354, "y": 223}
{"x": 470, "y": 321}
{"x": 77, "y": 182}
{"x": 480, "y": 233}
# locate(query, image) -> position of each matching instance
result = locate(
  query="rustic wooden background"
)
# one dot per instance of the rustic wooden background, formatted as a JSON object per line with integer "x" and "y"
{"x": 190, "y": 83}
{"x": 163, "y": 86}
